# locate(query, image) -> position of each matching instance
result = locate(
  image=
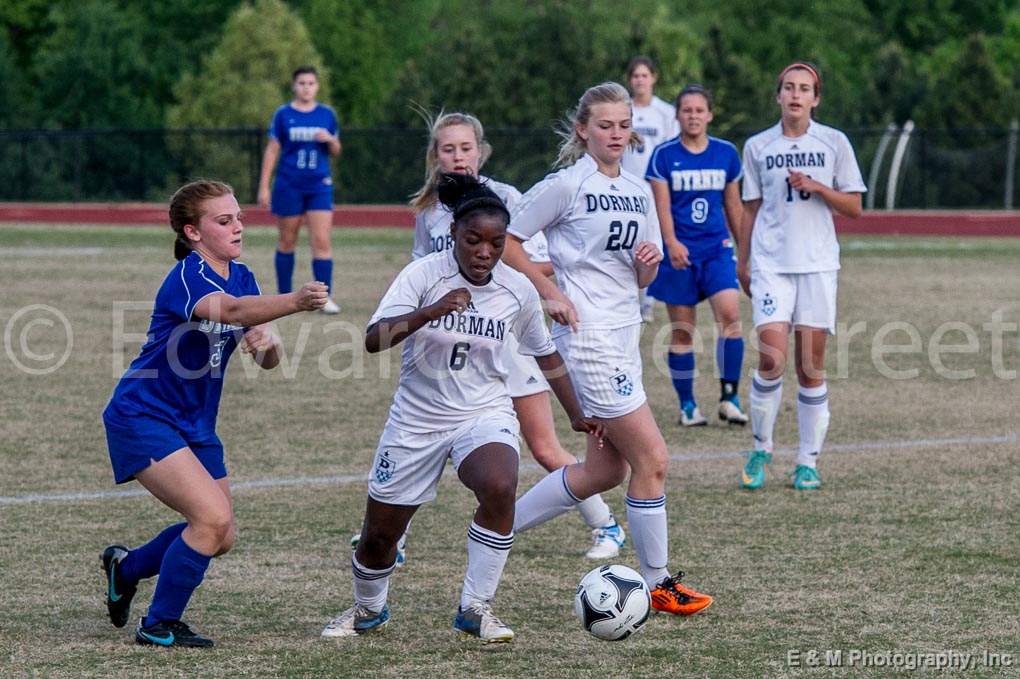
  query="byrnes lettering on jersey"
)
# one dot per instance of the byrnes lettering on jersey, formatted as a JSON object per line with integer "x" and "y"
{"x": 470, "y": 323}
{"x": 612, "y": 203}
{"x": 698, "y": 180}
{"x": 304, "y": 133}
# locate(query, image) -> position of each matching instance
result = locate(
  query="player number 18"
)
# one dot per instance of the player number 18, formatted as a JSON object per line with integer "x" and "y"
{"x": 804, "y": 195}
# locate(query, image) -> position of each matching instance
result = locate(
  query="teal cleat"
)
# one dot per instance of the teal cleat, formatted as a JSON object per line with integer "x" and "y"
{"x": 806, "y": 478}
{"x": 753, "y": 476}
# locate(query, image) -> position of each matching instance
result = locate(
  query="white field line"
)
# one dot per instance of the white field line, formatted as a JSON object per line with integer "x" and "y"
{"x": 352, "y": 479}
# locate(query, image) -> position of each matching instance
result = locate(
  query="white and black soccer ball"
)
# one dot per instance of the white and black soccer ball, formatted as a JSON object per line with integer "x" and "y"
{"x": 612, "y": 602}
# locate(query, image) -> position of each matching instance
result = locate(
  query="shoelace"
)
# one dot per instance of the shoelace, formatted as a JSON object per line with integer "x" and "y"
{"x": 484, "y": 611}
{"x": 180, "y": 628}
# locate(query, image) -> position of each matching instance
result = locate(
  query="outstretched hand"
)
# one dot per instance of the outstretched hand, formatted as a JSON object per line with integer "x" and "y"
{"x": 312, "y": 296}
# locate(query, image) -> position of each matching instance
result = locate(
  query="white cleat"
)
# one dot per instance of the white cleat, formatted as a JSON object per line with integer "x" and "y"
{"x": 731, "y": 412}
{"x": 330, "y": 308}
{"x": 478, "y": 620}
{"x": 606, "y": 542}
{"x": 354, "y": 621}
{"x": 690, "y": 416}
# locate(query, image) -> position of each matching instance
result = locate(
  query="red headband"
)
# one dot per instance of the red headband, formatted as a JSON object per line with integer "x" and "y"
{"x": 807, "y": 67}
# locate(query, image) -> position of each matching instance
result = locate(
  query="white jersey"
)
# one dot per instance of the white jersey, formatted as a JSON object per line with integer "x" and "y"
{"x": 455, "y": 368}
{"x": 656, "y": 123}
{"x": 592, "y": 223}
{"x": 794, "y": 231}
{"x": 432, "y": 225}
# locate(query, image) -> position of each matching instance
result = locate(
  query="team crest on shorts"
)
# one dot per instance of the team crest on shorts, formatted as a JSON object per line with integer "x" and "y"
{"x": 768, "y": 305}
{"x": 622, "y": 384}
{"x": 384, "y": 467}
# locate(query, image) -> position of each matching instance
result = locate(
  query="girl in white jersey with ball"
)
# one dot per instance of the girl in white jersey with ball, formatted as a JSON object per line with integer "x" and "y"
{"x": 457, "y": 144}
{"x": 796, "y": 174}
{"x": 453, "y": 311}
{"x": 605, "y": 244}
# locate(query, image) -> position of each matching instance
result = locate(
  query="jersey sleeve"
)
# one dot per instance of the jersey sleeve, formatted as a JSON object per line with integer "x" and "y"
{"x": 530, "y": 327}
{"x": 195, "y": 286}
{"x": 404, "y": 294}
{"x": 652, "y": 232}
{"x": 540, "y": 207}
{"x": 334, "y": 124}
{"x": 511, "y": 197}
{"x": 657, "y": 166}
{"x": 276, "y": 127}
{"x": 421, "y": 237}
{"x": 752, "y": 182}
{"x": 847, "y": 175}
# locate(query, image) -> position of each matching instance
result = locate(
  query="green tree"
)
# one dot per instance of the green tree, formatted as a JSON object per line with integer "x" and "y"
{"x": 92, "y": 71}
{"x": 242, "y": 80}
{"x": 364, "y": 44}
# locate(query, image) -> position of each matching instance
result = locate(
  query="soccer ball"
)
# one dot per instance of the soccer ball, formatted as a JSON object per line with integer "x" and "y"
{"x": 612, "y": 602}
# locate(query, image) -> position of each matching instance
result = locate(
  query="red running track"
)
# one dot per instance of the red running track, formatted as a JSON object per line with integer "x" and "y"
{"x": 903, "y": 222}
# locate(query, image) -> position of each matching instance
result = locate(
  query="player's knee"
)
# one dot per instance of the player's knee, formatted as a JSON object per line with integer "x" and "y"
{"x": 216, "y": 529}
{"x": 681, "y": 340}
{"x": 227, "y": 543}
{"x": 653, "y": 464}
{"x": 498, "y": 493}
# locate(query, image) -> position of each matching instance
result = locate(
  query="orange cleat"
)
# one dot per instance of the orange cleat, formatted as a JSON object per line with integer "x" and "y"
{"x": 669, "y": 596}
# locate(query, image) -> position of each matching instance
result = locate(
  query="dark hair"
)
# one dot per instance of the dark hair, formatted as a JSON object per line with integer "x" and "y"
{"x": 302, "y": 70}
{"x": 186, "y": 208}
{"x": 464, "y": 195}
{"x": 641, "y": 61}
{"x": 803, "y": 66}
{"x": 695, "y": 88}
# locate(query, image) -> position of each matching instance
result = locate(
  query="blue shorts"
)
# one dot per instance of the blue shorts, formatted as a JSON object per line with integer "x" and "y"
{"x": 291, "y": 199}
{"x": 702, "y": 279}
{"x": 138, "y": 441}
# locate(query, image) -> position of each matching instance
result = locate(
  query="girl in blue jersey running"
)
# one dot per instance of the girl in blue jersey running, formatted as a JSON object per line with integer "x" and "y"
{"x": 160, "y": 422}
{"x": 695, "y": 180}
{"x": 303, "y": 136}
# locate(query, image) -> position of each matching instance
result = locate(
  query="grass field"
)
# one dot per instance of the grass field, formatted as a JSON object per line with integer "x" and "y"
{"x": 913, "y": 545}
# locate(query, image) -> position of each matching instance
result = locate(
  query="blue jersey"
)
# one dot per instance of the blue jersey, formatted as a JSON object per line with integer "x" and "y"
{"x": 178, "y": 376}
{"x": 696, "y": 182}
{"x": 303, "y": 160}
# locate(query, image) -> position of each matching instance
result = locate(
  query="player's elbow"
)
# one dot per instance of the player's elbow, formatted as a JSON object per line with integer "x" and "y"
{"x": 854, "y": 209}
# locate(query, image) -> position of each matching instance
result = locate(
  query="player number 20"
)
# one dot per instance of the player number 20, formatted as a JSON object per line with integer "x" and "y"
{"x": 458, "y": 357}
{"x": 620, "y": 239}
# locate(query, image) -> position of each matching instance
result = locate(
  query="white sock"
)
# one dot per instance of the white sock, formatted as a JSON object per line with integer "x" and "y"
{"x": 647, "y": 522}
{"x": 371, "y": 585}
{"x": 596, "y": 512}
{"x": 546, "y": 500}
{"x": 813, "y": 419}
{"x": 487, "y": 553}
{"x": 766, "y": 396}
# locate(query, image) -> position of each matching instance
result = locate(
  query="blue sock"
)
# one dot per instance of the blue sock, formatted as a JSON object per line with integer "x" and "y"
{"x": 681, "y": 371}
{"x": 181, "y": 572}
{"x": 729, "y": 354}
{"x": 144, "y": 561}
{"x": 284, "y": 271}
{"x": 322, "y": 269}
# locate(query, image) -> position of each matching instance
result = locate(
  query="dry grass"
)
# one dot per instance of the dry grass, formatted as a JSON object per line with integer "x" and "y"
{"x": 912, "y": 549}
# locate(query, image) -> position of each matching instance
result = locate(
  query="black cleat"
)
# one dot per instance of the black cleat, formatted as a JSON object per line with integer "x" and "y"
{"x": 169, "y": 634}
{"x": 118, "y": 594}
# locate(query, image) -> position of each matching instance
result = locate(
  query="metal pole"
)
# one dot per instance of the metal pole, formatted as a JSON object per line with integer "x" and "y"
{"x": 876, "y": 163}
{"x": 1014, "y": 130}
{"x": 897, "y": 162}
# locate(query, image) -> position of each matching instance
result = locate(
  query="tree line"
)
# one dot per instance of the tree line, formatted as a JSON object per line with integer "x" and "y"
{"x": 101, "y": 64}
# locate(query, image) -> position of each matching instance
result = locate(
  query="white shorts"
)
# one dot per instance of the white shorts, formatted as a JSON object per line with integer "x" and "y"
{"x": 407, "y": 466}
{"x": 525, "y": 377}
{"x": 797, "y": 298}
{"x": 605, "y": 367}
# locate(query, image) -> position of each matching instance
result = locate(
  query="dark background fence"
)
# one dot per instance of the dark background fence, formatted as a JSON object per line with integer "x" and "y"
{"x": 941, "y": 168}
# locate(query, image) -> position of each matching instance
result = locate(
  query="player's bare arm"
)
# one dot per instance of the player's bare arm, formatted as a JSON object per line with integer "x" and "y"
{"x": 677, "y": 252}
{"x": 646, "y": 262}
{"x": 263, "y": 345}
{"x": 389, "y": 332}
{"x": 734, "y": 209}
{"x": 750, "y": 212}
{"x": 557, "y": 305}
{"x": 269, "y": 158}
{"x": 253, "y": 310}
{"x": 559, "y": 380}
{"x": 846, "y": 204}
